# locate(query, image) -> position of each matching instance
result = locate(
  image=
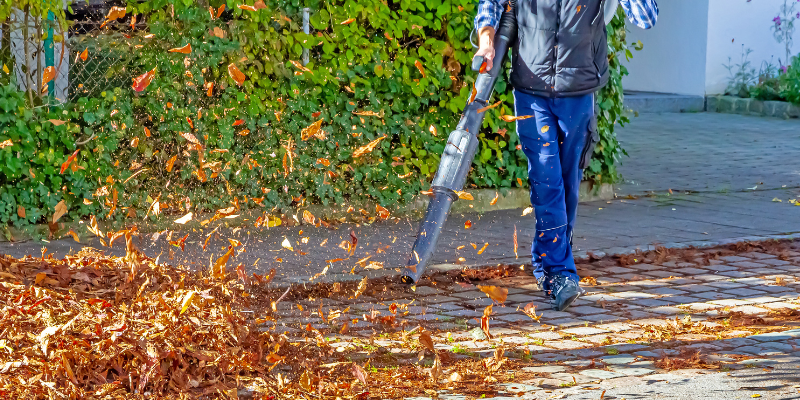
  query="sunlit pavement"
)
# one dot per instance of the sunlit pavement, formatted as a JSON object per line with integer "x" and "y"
{"x": 636, "y": 334}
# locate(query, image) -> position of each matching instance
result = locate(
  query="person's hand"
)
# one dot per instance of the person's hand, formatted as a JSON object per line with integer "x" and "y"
{"x": 486, "y": 46}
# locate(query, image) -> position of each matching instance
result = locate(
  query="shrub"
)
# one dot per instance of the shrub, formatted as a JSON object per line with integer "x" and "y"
{"x": 366, "y": 119}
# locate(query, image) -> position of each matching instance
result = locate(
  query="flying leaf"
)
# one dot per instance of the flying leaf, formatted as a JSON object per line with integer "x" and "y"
{"x": 235, "y": 74}
{"x": 473, "y": 94}
{"x": 184, "y": 219}
{"x": 383, "y": 213}
{"x": 171, "y": 163}
{"x": 191, "y": 138}
{"x": 218, "y": 269}
{"x": 287, "y": 244}
{"x": 180, "y": 242}
{"x": 495, "y": 293}
{"x": 308, "y": 217}
{"x": 527, "y": 211}
{"x": 74, "y": 235}
{"x": 48, "y": 74}
{"x": 421, "y": 70}
{"x": 482, "y": 68}
{"x": 515, "y": 242}
{"x": 468, "y": 224}
{"x": 306, "y": 381}
{"x": 141, "y": 82}
{"x": 84, "y": 54}
{"x": 464, "y": 195}
{"x": 359, "y": 373}
{"x": 246, "y": 7}
{"x": 21, "y": 211}
{"x": 426, "y": 341}
{"x": 494, "y": 200}
{"x": 210, "y": 90}
{"x": 313, "y": 130}
{"x": 60, "y": 210}
{"x": 116, "y": 13}
{"x": 183, "y": 50}
{"x": 69, "y": 161}
{"x": 510, "y": 118}
{"x": 483, "y": 109}
{"x": 545, "y": 128}
{"x": 347, "y": 21}
{"x": 362, "y": 287}
{"x": 300, "y": 66}
{"x": 530, "y": 310}
{"x": 259, "y": 5}
{"x": 485, "y": 245}
{"x": 6, "y": 143}
{"x": 220, "y": 10}
{"x": 367, "y": 148}
{"x": 187, "y": 301}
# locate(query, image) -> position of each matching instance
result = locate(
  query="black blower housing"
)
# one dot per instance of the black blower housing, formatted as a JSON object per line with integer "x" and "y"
{"x": 459, "y": 152}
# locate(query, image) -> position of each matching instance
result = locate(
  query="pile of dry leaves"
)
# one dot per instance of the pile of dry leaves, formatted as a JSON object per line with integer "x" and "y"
{"x": 94, "y": 326}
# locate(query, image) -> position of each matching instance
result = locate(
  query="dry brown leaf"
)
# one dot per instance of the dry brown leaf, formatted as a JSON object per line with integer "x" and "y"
{"x": 367, "y": 148}
{"x": 495, "y": 293}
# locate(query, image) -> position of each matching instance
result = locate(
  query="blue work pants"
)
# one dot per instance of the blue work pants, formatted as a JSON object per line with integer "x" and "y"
{"x": 553, "y": 140}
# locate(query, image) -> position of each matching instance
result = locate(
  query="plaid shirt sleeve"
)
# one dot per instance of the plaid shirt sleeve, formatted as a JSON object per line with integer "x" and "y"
{"x": 642, "y": 13}
{"x": 489, "y": 12}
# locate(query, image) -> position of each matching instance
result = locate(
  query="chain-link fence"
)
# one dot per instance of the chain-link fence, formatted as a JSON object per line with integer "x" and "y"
{"x": 54, "y": 65}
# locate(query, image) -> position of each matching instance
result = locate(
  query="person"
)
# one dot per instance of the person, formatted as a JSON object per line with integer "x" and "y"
{"x": 559, "y": 60}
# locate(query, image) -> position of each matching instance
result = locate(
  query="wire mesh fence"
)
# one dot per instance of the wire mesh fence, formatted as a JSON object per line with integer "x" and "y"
{"x": 54, "y": 65}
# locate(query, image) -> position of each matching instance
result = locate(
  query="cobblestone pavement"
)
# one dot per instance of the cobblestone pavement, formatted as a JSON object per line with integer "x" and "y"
{"x": 709, "y": 152}
{"x": 608, "y": 342}
{"x": 722, "y": 156}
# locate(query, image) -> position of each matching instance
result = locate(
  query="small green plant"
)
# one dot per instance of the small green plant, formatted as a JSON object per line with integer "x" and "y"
{"x": 740, "y": 76}
{"x": 567, "y": 384}
{"x": 538, "y": 341}
{"x": 612, "y": 351}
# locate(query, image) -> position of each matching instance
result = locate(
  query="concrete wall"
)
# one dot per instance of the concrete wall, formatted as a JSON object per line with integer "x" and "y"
{"x": 734, "y": 24}
{"x": 674, "y": 56}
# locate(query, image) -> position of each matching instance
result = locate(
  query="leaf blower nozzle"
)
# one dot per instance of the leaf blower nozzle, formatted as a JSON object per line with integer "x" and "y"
{"x": 456, "y": 161}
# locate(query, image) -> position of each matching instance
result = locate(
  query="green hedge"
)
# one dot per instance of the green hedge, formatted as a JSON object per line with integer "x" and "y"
{"x": 395, "y": 72}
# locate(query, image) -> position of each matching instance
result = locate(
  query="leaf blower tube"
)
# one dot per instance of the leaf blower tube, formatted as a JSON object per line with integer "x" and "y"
{"x": 458, "y": 153}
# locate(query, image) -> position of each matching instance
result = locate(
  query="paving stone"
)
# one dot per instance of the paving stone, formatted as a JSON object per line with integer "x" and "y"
{"x": 744, "y": 292}
{"x": 586, "y": 310}
{"x": 665, "y": 377}
{"x": 750, "y": 310}
{"x": 737, "y": 342}
{"x": 435, "y": 300}
{"x": 584, "y": 331}
{"x": 514, "y": 318}
{"x": 757, "y": 255}
{"x": 776, "y": 336}
{"x": 733, "y": 258}
{"x": 602, "y": 318}
{"x": 586, "y": 353}
{"x": 665, "y": 291}
{"x": 447, "y": 306}
{"x": 626, "y": 347}
{"x": 567, "y": 322}
{"x": 748, "y": 264}
{"x": 519, "y": 387}
{"x": 601, "y": 374}
{"x": 730, "y": 302}
{"x": 667, "y": 310}
{"x": 574, "y": 378}
{"x": 644, "y": 267}
{"x": 631, "y": 371}
{"x": 464, "y": 313}
{"x": 551, "y": 357}
{"x": 618, "y": 360}
{"x": 651, "y": 302}
{"x": 615, "y": 327}
{"x": 631, "y": 295}
{"x": 618, "y": 270}
{"x": 577, "y": 363}
{"x": 690, "y": 271}
{"x": 711, "y": 295}
{"x": 781, "y": 304}
{"x": 545, "y": 369}
{"x": 782, "y": 347}
{"x": 736, "y": 274}
{"x": 659, "y": 273}
{"x": 679, "y": 299}
{"x": 565, "y": 344}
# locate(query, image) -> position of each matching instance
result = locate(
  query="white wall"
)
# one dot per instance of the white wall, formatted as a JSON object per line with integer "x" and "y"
{"x": 674, "y": 56}
{"x": 733, "y": 23}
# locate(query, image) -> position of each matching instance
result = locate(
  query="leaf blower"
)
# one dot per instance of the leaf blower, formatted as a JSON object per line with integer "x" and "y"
{"x": 462, "y": 144}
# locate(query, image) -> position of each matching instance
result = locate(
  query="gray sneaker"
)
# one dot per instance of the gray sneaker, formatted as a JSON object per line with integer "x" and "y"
{"x": 563, "y": 291}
